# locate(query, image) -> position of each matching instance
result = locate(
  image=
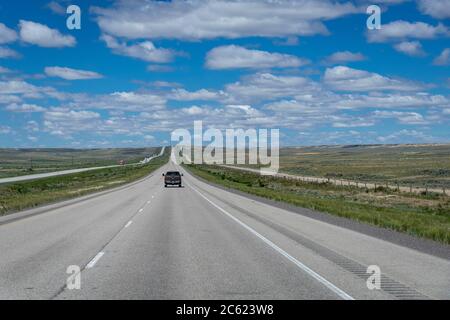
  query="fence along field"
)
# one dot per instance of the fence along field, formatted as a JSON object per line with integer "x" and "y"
{"x": 342, "y": 182}
{"x": 405, "y": 168}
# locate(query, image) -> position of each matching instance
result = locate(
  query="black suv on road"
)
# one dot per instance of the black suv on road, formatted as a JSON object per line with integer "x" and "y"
{"x": 172, "y": 178}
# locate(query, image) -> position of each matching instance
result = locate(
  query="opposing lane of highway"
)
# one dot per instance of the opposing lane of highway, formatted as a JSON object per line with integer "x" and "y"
{"x": 66, "y": 172}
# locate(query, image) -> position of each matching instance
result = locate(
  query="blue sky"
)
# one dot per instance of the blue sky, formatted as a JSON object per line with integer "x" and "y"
{"x": 139, "y": 69}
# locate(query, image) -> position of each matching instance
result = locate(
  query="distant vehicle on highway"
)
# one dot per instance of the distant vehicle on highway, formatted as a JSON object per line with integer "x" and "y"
{"x": 172, "y": 178}
{"x": 122, "y": 162}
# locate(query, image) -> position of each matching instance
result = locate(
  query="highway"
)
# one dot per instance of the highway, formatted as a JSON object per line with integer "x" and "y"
{"x": 145, "y": 241}
{"x": 65, "y": 172}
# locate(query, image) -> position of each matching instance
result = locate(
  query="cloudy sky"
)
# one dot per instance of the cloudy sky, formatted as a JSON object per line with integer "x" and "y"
{"x": 139, "y": 69}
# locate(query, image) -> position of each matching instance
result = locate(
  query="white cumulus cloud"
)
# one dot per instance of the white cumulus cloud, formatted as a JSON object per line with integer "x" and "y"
{"x": 24, "y": 108}
{"x": 6, "y": 34}
{"x": 237, "y": 57}
{"x": 209, "y": 19}
{"x": 410, "y": 48}
{"x": 8, "y": 53}
{"x": 439, "y": 9}
{"x": 145, "y": 50}
{"x": 71, "y": 74}
{"x": 43, "y": 36}
{"x": 403, "y": 30}
{"x": 347, "y": 79}
{"x": 443, "y": 59}
{"x": 343, "y": 57}
{"x": 202, "y": 94}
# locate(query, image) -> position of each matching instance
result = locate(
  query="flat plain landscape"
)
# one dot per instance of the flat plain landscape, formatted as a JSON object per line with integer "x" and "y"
{"x": 17, "y": 162}
{"x": 416, "y": 165}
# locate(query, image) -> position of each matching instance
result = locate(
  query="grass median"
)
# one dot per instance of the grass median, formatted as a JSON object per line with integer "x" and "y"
{"x": 425, "y": 216}
{"x": 28, "y": 194}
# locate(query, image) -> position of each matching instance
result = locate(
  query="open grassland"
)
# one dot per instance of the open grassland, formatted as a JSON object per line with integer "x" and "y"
{"x": 17, "y": 162}
{"x": 23, "y": 195}
{"x": 416, "y": 214}
{"x": 406, "y": 165}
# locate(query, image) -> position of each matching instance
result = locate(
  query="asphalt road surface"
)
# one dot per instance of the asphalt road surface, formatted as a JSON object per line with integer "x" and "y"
{"x": 145, "y": 241}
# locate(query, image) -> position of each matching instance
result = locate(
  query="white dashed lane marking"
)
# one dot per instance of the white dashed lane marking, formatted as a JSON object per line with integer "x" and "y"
{"x": 128, "y": 224}
{"x": 95, "y": 260}
{"x": 100, "y": 254}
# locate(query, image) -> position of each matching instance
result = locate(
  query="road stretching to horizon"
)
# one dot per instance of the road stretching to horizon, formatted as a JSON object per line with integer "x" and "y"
{"x": 145, "y": 241}
{"x": 65, "y": 172}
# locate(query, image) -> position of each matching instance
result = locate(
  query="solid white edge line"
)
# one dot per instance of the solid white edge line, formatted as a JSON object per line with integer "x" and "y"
{"x": 95, "y": 260}
{"x": 312, "y": 273}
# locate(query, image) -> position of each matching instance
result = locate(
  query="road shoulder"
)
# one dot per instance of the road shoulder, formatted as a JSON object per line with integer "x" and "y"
{"x": 420, "y": 244}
